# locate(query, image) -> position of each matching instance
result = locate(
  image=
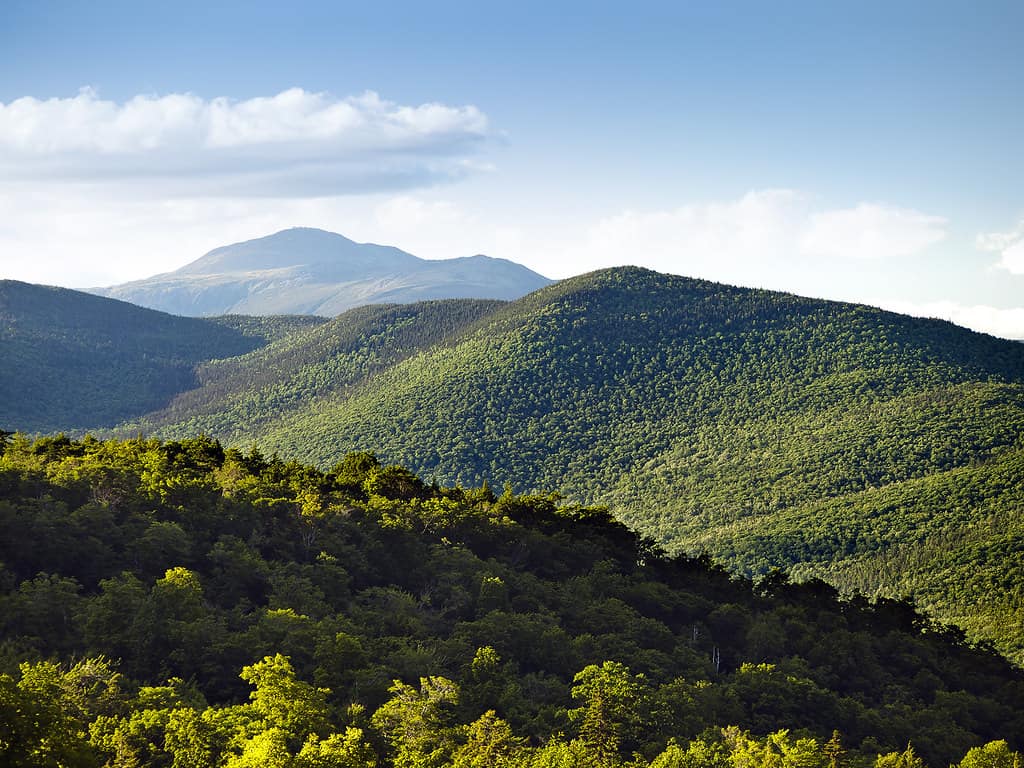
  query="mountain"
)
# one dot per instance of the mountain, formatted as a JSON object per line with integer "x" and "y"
{"x": 766, "y": 429}
{"x": 312, "y": 272}
{"x": 72, "y": 360}
{"x": 880, "y": 452}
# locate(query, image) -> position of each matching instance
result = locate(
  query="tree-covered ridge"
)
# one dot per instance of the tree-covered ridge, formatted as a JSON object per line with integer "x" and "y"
{"x": 72, "y": 360}
{"x": 868, "y": 448}
{"x": 689, "y": 407}
{"x": 581, "y": 385}
{"x": 379, "y": 620}
{"x": 241, "y": 397}
{"x": 269, "y": 328}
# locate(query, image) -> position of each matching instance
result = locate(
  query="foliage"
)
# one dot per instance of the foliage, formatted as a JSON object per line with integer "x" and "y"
{"x": 180, "y": 604}
{"x": 73, "y": 361}
{"x": 239, "y": 397}
{"x": 879, "y": 452}
{"x": 765, "y": 429}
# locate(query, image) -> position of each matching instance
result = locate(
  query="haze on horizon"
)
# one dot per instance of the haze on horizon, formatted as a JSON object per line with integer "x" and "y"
{"x": 869, "y": 152}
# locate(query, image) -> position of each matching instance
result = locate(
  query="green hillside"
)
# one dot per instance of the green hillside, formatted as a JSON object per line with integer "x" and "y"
{"x": 178, "y": 604}
{"x": 629, "y": 375}
{"x": 704, "y": 414}
{"x": 73, "y": 361}
{"x": 878, "y": 451}
{"x": 239, "y": 398}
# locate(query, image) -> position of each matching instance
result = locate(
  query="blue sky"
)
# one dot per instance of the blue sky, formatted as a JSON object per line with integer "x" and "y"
{"x": 860, "y": 151}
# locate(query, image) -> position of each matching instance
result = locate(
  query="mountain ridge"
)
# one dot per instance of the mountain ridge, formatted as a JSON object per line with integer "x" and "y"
{"x": 765, "y": 429}
{"x": 74, "y": 361}
{"x": 686, "y": 406}
{"x": 311, "y": 271}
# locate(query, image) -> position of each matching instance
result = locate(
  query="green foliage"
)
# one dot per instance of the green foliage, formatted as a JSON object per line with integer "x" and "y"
{"x": 73, "y": 361}
{"x": 905, "y": 759}
{"x": 490, "y": 743}
{"x": 877, "y": 451}
{"x": 340, "y": 750}
{"x": 432, "y": 626}
{"x": 415, "y": 722}
{"x": 240, "y": 397}
{"x": 614, "y": 709}
{"x": 995, "y": 754}
{"x": 296, "y": 708}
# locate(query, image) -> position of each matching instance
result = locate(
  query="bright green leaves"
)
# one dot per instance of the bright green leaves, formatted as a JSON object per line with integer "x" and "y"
{"x": 340, "y": 750}
{"x": 615, "y": 705}
{"x": 418, "y": 723}
{"x": 995, "y": 754}
{"x": 490, "y": 743}
{"x": 778, "y": 750}
{"x": 45, "y": 715}
{"x": 905, "y": 759}
{"x": 282, "y": 701}
{"x": 266, "y": 749}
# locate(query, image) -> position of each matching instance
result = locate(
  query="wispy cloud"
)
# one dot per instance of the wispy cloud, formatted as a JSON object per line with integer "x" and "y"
{"x": 871, "y": 231}
{"x": 1009, "y": 246}
{"x": 295, "y": 143}
{"x": 760, "y": 225}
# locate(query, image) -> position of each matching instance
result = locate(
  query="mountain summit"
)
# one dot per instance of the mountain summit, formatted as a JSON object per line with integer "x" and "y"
{"x": 314, "y": 272}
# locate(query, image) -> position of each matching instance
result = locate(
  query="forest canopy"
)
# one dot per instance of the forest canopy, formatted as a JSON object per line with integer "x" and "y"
{"x": 182, "y": 604}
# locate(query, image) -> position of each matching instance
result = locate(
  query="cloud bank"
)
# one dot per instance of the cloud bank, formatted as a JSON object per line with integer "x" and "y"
{"x": 760, "y": 236}
{"x": 871, "y": 231}
{"x": 295, "y": 143}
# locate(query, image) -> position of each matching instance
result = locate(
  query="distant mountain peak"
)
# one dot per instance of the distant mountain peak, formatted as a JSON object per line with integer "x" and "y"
{"x": 304, "y": 270}
{"x": 297, "y": 247}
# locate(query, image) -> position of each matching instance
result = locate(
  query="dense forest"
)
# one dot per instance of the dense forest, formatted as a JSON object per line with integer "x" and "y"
{"x": 878, "y": 452}
{"x": 182, "y": 604}
{"x": 241, "y": 397}
{"x": 76, "y": 361}
{"x": 873, "y": 450}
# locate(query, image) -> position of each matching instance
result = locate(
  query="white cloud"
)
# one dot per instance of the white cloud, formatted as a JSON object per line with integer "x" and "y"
{"x": 760, "y": 225}
{"x": 998, "y": 241}
{"x": 72, "y": 238}
{"x": 406, "y": 216}
{"x": 295, "y": 143}
{"x": 871, "y": 231}
{"x": 1007, "y": 323}
{"x": 439, "y": 229}
{"x": 1012, "y": 258}
{"x": 1009, "y": 246}
{"x": 768, "y": 238}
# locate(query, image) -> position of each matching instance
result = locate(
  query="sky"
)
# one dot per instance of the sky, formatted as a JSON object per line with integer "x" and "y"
{"x": 861, "y": 151}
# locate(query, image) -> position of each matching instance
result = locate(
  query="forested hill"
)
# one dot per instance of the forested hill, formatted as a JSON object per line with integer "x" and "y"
{"x": 580, "y": 385}
{"x": 178, "y": 604}
{"x": 765, "y": 428}
{"x": 239, "y": 398}
{"x": 72, "y": 360}
{"x": 881, "y": 452}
